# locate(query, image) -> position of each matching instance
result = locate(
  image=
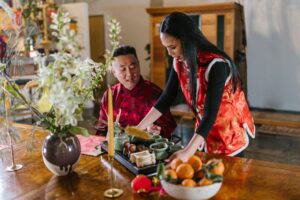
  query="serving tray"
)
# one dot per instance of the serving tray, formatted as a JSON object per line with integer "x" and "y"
{"x": 149, "y": 170}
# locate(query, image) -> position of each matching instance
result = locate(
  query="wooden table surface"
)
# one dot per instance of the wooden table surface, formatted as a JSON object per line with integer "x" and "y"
{"x": 243, "y": 178}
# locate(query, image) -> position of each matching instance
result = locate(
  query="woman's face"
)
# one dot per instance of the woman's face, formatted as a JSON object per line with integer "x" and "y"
{"x": 173, "y": 45}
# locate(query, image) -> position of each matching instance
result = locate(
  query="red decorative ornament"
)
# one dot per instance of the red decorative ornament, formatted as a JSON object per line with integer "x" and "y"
{"x": 141, "y": 184}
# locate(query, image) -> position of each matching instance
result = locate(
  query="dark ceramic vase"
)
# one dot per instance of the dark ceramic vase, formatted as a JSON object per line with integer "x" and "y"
{"x": 61, "y": 154}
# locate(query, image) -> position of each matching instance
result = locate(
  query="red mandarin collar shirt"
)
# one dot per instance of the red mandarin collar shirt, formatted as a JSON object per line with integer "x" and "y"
{"x": 135, "y": 104}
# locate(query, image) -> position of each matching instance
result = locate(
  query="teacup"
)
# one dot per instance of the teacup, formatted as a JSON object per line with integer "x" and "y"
{"x": 175, "y": 147}
{"x": 120, "y": 140}
{"x": 156, "y": 137}
{"x": 160, "y": 150}
{"x": 169, "y": 143}
{"x": 165, "y": 140}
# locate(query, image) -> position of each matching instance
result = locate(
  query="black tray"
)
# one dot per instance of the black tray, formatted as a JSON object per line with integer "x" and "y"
{"x": 149, "y": 170}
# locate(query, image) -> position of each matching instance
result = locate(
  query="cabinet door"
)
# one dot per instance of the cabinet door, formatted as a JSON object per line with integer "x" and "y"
{"x": 97, "y": 44}
{"x": 209, "y": 26}
{"x": 218, "y": 29}
{"x": 158, "y": 54}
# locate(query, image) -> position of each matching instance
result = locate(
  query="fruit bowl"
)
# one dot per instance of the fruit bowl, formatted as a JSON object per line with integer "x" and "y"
{"x": 191, "y": 193}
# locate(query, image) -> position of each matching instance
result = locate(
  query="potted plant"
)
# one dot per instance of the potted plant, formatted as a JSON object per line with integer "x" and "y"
{"x": 65, "y": 82}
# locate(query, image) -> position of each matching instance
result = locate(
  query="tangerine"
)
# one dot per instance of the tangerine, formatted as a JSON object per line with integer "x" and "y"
{"x": 195, "y": 162}
{"x": 185, "y": 171}
{"x": 188, "y": 183}
{"x": 205, "y": 181}
{"x": 218, "y": 168}
{"x": 175, "y": 162}
{"x": 171, "y": 174}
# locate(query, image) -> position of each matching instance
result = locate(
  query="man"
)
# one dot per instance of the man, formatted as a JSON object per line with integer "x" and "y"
{"x": 132, "y": 96}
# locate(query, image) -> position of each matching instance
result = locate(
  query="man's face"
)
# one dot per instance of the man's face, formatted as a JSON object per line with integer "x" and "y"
{"x": 126, "y": 69}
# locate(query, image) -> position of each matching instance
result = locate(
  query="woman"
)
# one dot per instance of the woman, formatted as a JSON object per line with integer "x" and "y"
{"x": 211, "y": 86}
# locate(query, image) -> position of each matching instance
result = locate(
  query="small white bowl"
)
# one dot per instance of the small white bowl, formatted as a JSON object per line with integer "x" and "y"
{"x": 191, "y": 193}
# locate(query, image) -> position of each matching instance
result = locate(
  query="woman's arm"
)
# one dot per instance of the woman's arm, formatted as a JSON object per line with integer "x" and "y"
{"x": 151, "y": 117}
{"x": 163, "y": 103}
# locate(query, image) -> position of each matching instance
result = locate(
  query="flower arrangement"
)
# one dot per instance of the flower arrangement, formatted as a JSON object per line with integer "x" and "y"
{"x": 65, "y": 81}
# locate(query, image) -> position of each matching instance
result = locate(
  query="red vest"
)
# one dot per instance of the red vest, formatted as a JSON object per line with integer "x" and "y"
{"x": 229, "y": 133}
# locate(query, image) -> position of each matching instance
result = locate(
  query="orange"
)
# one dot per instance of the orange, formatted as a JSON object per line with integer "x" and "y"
{"x": 205, "y": 181}
{"x": 219, "y": 167}
{"x": 195, "y": 162}
{"x": 175, "y": 162}
{"x": 171, "y": 174}
{"x": 188, "y": 183}
{"x": 185, "y": 171}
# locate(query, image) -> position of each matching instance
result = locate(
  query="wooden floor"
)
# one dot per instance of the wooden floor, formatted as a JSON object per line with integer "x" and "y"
{"x": 271, "y": 118}
{"x": 277, "y": 135}
{"x": 276, "y": 119}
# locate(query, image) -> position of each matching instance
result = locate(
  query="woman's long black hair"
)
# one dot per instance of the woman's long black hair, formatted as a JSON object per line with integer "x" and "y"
{"x": 182, "y": 27}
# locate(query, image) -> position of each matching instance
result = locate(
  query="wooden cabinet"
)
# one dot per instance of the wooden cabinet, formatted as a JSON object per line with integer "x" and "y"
{"x": 221, "y": 23}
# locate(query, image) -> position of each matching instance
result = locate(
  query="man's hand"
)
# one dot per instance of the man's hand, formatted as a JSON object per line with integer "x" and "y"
{"x": 154, "y": 129}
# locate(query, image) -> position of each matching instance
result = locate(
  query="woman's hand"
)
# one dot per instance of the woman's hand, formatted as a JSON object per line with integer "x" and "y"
{"x": 154, "y": 129}
{"x": 189, "y": 150}
{"x": 181, "y": 154}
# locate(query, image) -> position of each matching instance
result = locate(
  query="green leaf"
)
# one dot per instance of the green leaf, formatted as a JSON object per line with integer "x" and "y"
{"x": 79, "y": 130}
{"x": 160, "y": 170}
{"x": 12, "y": 90}
{"x": 2, "y": 67}
{"x": 214, "y": 177}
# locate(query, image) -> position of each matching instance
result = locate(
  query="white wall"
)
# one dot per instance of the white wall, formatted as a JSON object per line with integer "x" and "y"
{"x": 273, "y": 53}
{"x": 80, "y": 12}
{"x": 134, "y": 20}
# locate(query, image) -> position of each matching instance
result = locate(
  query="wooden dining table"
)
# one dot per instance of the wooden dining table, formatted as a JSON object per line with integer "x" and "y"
{"x": 243, "y": 178}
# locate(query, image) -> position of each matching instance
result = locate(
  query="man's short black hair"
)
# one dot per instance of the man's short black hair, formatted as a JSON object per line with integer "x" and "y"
{"x": 124, "y": 50}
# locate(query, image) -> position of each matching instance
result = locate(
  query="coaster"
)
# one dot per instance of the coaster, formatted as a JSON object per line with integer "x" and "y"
{"x": 113, "y": 192}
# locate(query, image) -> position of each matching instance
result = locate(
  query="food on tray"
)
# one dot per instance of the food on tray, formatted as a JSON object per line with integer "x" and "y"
{"x": 133, "y": 131}
{"x": 141, "y": 148}
{"x": 132, "y": 148}
{"x": 143, "y": 158}
{"x": 129, "y": 148}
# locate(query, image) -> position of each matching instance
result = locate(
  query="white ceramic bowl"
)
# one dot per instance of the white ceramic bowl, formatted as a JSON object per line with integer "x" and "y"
{"x": 191, "y": 193}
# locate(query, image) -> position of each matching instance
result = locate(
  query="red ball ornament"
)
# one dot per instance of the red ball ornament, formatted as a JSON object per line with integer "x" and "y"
{"x": 141, "y": 183}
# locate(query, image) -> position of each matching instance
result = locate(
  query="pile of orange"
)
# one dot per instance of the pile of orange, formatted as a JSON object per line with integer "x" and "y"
{"x": 194, "y": 172}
